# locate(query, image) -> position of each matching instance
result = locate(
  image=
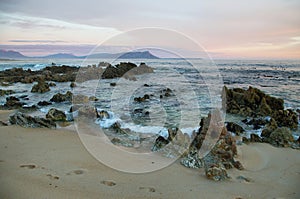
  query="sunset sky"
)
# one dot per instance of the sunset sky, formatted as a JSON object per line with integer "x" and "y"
{"x": 226, "y": 29}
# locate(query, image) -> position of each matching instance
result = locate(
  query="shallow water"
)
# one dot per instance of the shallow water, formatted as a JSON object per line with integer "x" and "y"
{"x": 196, "y": 87}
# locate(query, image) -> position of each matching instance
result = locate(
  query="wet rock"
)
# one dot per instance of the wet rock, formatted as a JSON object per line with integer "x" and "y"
{"x": 27, "y": 121}
{"x": 52, "y": 84}
{"x": 245, "y": 140}
{"x": 93, "y": 99}
{"x": 281, "y": 137}
{"x": 62, "y": 97}
{"x": 103, "y": 115}
{"x": 6, "y": 92}
{"x": 235, "y": 128}
{"x": 192, "y": 160}
{"x": 253, "y": 102}
{"x": 160, "y": 142}
{"x": 255, "y": 138}
{"x": 40, "y": 87}
{"x": 3, "y": 123}
{"x": 73, "y": 85}
{"x": 286, "y": 118}
{"x": 113, "y": 84}
{"x": 56, "y": 115}
{"x": 269, "y": 128}
{"x": 12, "y": 102}
{"x": 142, "y": 99}
{"x": 216, "y": 172}
{"x": 43, "y": 103}
{"x": 87, "y": 111}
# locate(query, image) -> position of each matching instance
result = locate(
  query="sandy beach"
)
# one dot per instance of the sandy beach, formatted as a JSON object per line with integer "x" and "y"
{"x": 45, "y": 163}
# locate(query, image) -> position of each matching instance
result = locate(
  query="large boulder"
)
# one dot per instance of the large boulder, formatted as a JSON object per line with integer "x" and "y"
{"x": 12, "y": 102}
{"x": 235, "y": 128}
{"x": 255, "y": 103}
{"x": 56, "y": 115}
{"x": 40, "y": 87}
{"x": 281, "y": 137}
{"x": 62, "y": 97}
{"x": 32, "y": 122}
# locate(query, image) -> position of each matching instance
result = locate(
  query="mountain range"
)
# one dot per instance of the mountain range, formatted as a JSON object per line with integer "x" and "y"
{"x": 10, "y": 54}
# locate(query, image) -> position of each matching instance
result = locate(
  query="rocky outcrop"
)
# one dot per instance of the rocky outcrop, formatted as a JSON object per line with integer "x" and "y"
{"x": 254, "y": 103}
{"x": 235, "y": 128}
{"x": 6, "y": 92}
{"x": 62, "y": 97}
{"x": 125, "y": 69}
{"x": 281, "y": 137}
{"x": 56, "y": 115}
{"x": 27, "y": 121}
{"x": 216, "y": 172}
{"x": 12, "y": 102}
{"x": 40, "y": 87}
{"x": 43, "y": 103}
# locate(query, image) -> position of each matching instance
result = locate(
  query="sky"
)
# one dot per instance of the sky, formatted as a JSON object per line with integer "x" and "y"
{"x": 222, "y": 28}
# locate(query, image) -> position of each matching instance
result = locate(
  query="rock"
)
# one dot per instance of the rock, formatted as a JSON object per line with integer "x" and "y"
{"x": 43, "y": 103}
{"x": 6, "y": 92}
{"x": 192, "y": 160}
{"x": 3, "y": 123}
{"x": 286, "y": 118}
{"x": 255, "y": 138}
{"x": 270, "y": 127}
{"x": 103, "y": 115}
{"x": 73, "y": 85}
{"x": 235, "y": 128}
{"x": 12, "y": 103}
{"x": 56, "y": 115}
{"x": 52, "y": 84}
{"x": 40, "y": 87}
{"x": 32, "y": 122}
{"x": 62, "y": 97}
{"x": 253, "y": 102}
{"x": 125, "y": 69}
{"x": 87, "y": 111}
{"x": 245, "y": 140}
{"x": 113, "y": 83}
{"x": 281, "y": 137}
{"x": 160, "y": 142}
{"x": 216, "y": 172}
{"x": 142, "y": 99}
{"x": 93, "y": 98}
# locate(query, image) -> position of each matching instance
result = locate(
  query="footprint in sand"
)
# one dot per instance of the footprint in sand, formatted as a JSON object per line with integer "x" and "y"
{"x": 148, "y": 189}
{"x": 77, "y": 172}
{"x": 108, "y": 183}
{"x": 52, "y": 177}
{"x": 28, "y": 166}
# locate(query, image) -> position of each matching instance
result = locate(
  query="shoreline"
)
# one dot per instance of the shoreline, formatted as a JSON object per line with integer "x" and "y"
{"x": 57, "y": 165}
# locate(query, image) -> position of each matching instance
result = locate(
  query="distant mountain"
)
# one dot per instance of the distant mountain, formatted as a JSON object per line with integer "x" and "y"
{"x": 127, "y": 55}
{"x": 60, "y": 56}
{"x": 10, "y": 54}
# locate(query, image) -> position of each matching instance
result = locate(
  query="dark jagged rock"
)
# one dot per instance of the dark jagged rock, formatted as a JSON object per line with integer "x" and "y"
{"x": 40, "y": 87}
{"x": 253, "y": 102}
{"x": 192, "y": 160}
{"x": 12, "y": 102}
{"x": 125, "y": 68}
{"x": 235, "y": 128}
{"x": 255, "y": 138}
{"x": 286, "y": 118}
{"x": 257, "y": 122}
{"x": 3, "y": 123}
{"x": 43, "y": 103}
{"x": 27, "y": 121}
{"x": 142, "y": 99}
{"x": 56, "y": 115}
{"x": 73, "y": 85}
{"x": 103, "y": 115}
{"x": 62, "y": 97}
{"x": 281, "y": 137}
{"x": 6, "y": 92}
{"x": 160, "y": 142}
{"x": 216, "y": 172}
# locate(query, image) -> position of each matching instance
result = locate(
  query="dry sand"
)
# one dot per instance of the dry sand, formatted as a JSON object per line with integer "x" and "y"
{"x": 45, "y": 163}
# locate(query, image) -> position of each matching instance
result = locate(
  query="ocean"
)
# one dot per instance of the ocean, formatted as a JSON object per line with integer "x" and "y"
{"x": 194, "y": 84}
